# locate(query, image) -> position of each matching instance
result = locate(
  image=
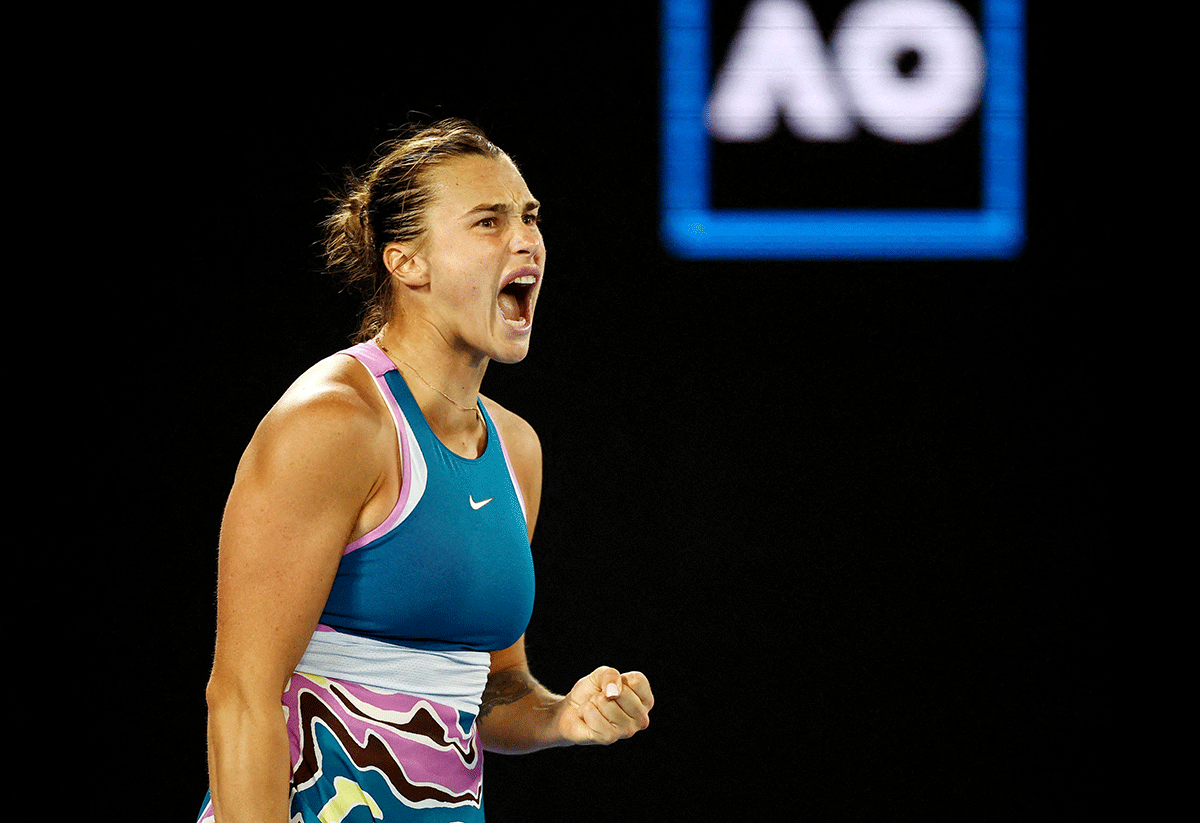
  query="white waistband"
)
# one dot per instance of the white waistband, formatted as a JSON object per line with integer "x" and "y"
{"x": 454, "y": 678}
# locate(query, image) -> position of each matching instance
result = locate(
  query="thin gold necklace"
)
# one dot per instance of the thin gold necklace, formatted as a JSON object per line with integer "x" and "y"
{"x": 450, "y": 400}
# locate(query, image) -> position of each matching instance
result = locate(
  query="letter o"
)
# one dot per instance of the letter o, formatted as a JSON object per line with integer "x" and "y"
{"x": 939, "y": 95}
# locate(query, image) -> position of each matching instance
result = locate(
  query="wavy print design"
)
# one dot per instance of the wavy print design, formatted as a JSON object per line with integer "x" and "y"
{"x": 361, "y": 755}
{"x": 401, "y": 750}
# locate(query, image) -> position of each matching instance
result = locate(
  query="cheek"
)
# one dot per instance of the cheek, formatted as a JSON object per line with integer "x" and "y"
{"x": 466, "y": 272}
{"x": 471, "y": 292}
{"x": 463, "y": 276}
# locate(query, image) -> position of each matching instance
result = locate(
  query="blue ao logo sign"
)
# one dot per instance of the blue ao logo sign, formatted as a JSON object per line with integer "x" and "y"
{"x": 863, "y": 129}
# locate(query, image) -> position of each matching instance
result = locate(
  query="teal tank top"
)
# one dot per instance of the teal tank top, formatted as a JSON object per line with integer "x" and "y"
{"x": 450, "y": 568}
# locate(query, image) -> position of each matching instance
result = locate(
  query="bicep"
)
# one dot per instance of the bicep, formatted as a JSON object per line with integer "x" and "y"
{"x": 294, "y": 501}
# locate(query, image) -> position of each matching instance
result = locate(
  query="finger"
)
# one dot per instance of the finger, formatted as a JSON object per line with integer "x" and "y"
{"x": 601, "y": 728}
{"x": 607, "y": 722}
{"x": 607, "y": 682}
{"x": 637, "y": 683}
{"x": 633, "y": 710}
{"x": 626, "y": 714}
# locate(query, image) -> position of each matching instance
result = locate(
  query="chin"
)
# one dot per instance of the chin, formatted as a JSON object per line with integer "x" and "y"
{"x": 510, "y": 357}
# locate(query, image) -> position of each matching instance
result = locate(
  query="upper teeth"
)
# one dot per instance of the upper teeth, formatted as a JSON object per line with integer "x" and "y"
{"x": 527, "y": 280}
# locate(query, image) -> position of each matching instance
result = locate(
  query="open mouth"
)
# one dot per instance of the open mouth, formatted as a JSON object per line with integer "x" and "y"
{"x": 516, "y": 299}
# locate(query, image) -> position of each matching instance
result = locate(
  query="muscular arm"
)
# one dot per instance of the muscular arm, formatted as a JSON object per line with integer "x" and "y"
{"x": 517, "y": 714}
{"x": 295, "y": 502}
{"x": 504, "y": 688}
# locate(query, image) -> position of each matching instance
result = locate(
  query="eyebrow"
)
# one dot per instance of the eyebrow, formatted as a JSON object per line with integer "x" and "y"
{"x": 504, "y": 208}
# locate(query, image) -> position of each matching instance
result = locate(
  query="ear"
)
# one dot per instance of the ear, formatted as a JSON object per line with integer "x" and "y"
{"x": 402, "y": 262}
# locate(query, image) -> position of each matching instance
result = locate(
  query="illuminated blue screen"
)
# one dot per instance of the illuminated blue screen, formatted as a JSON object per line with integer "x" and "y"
{"x": 693, "y": 228}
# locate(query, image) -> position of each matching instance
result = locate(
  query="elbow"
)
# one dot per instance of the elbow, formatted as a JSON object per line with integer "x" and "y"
{"x": 226, "y": 703}
{"x": 228, "y": 695}
{"x": 220, "y": 692}
{"x": 240, "y": 716}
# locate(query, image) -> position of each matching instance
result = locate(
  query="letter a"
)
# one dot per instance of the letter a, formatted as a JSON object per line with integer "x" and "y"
{"x": 777, "y": 63}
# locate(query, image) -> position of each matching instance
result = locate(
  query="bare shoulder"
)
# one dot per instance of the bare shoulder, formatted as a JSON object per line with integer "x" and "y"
{"x": 339, "y": 382}
{"x": 332, "y": 411}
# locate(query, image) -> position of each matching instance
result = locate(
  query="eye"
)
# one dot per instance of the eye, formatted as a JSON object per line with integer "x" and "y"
{"x": 487, "y": 223}
{"x": 532, "y": 219}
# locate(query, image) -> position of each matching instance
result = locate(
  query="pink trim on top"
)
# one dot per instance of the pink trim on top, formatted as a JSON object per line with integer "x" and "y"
{"x": 379, "y": 364}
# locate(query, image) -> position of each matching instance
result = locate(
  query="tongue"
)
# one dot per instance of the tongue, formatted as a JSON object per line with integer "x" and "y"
{"x": 509, "y": 307}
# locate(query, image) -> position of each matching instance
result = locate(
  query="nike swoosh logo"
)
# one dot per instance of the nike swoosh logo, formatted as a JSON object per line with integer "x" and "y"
{"x": 478, "y": 506}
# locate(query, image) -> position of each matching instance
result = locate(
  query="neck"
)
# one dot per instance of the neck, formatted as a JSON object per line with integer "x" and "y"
{"x": 445, "y": 387}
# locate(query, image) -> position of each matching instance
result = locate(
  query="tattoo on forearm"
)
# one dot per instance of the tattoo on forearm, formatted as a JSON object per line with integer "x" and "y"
{"x": 503, "y": 688}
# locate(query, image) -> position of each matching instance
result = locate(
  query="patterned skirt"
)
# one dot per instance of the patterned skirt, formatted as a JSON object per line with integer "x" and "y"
{"x": 362, "y": 754}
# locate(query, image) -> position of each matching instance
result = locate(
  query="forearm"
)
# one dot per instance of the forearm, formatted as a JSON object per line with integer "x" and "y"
{"x": 249, "y": 762}
{"x": 518, "y": 715}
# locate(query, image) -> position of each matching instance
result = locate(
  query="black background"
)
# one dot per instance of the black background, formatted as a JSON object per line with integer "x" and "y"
{"x": 839, "y": 512}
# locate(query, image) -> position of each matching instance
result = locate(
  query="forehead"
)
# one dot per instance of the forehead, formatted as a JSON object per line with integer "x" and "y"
{"x": 463, "y": 183}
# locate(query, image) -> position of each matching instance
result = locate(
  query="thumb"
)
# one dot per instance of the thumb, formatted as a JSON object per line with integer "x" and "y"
{"x": 608, "y": 680}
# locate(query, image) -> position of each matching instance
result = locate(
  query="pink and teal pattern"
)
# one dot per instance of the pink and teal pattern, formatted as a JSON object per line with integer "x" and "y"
{"x": 361, "y": 755}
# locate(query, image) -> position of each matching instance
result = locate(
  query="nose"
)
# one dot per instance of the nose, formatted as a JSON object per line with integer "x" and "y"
{"x": 527, "y": 239}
